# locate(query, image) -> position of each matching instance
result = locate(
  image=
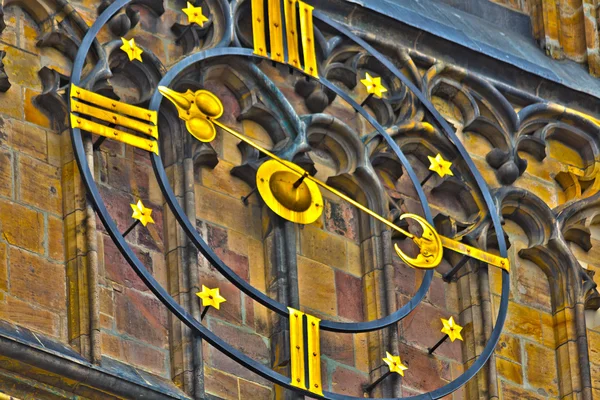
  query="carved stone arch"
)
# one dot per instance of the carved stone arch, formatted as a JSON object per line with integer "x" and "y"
{"x": 492, "y": 108}
{"x": 569, "y": 285}
{"x": 129, "y": 76}
{"x": 216, "y": 32}
{"x": 543, "y": 122}
{"x": 454, "y": 192}
{"x": 354, "y": 175}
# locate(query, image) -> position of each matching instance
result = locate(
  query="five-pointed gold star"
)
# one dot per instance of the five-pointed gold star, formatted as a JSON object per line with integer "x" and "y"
{"x": 142, "y": 213}
{"x": 452, "y": 329}
{"x": 395, "y": 364}
{"x": 194, "y": 14}
{"x": 211, "y": 297}
{"x": 374, "y": 85}
{"x": 441, "y": 166}
{"x": 132, "y": 50}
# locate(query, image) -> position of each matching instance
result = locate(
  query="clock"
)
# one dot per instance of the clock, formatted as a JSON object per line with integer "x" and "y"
{"x": 284, "y": 177}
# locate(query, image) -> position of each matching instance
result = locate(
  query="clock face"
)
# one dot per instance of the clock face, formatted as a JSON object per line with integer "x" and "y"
{"x": 316, "y": 144}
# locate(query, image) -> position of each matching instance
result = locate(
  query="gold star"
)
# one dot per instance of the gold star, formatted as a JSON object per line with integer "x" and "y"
{"x": 441, "y": 166}
{"x": 374, "y": 85}
{"x": 132, "y": 50}
{"x": 211, "y": 297}
{"x": 395, "y": 364}
{"x": 194, "y": 14}
{"x": 452, "y": 329}
{"x": 142, "y": 213}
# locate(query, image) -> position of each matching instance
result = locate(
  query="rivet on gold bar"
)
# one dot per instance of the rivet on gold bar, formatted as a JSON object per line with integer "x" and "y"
{"x": 258, "y": 28}
{"x": 276, "y": 31}
{"x": 476, "y": 253}
{"x": 291, "y": 28}
{"x": 297, "y": 348}
{"x": 114, "y": 105}
{"x": 308, "y": 39}
{"x": 314, "y": 355}
{"x": 111, "y": 133}
{"x": 114, "y": 118}
{"x": 89, "y": 104}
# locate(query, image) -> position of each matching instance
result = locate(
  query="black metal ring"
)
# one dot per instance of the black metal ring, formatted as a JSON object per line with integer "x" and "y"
{"x": 185, "y": 317}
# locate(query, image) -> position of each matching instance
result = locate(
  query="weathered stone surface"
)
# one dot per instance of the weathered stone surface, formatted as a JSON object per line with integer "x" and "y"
{"x": 511, "y": 392}
{"x": 322, "y": 247}
{"x": 510, "y": 370}
{"x": 541, "y": 369}
{"x": 25, "y": 314}
{"x": 219, "y": 384}
{"x": 3, "y": 267}
{"x": 316, "y": 286}
{"x": 27, "y": 139}
{"x": 532, "y": 286}
{"x": 37, "y": 280}
{"x": 145, "y": 357}
{"x": 348, "y": 381}
{"x": 56, "y": 238}
{"x": 250, "y": 390}
{"x": 22, "y": 226}
{"x": 142, "y": 316}
{"x": 509, "y": 347}
{"x": 524, "y": 321}
{"x": 40, "y": 185}
{"x": 349, "y": 296}
{"x": 429, "y": 373}
{"x": 6, "y": 173}
{"x": 341, "y": 218}
{"x": 338, "y": 347}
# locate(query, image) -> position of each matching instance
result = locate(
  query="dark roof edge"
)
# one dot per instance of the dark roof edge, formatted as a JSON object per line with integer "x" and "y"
{"x": 447, "y": 33}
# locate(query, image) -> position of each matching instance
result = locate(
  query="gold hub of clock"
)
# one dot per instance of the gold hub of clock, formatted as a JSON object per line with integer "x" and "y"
{"x": 288, "y": 193}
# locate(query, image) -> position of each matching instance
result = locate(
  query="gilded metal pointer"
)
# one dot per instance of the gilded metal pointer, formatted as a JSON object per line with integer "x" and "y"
{"x": 293, "y": 193}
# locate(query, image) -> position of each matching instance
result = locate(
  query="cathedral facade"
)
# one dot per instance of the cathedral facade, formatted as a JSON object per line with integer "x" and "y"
{"x": 285, "y": 199}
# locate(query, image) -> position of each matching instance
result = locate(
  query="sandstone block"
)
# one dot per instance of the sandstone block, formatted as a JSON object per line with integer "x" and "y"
{"x": 141, "y": 316}
{"x": 37, "y": 280}
{"x": 25, "y": 314}
{"x": 316, "y": 286}
{"x": 541, "y": 369}
{"x": 349, "y": 296}
{"x": 323, "y": 247}
{"x": 218, "y": 383}
{"x": 348, "y": 381}
{"x": 21, "y": 226}
{"x": 40, "y": 185}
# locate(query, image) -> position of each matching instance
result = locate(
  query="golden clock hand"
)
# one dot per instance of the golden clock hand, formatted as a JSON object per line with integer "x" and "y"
{"x": 299, "y": 170}
{"x": 429, "y": 244}
{"x": 201, "y": 109}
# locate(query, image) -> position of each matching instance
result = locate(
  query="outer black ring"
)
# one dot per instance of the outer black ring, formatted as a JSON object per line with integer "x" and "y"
{"x": 185, "y": 317}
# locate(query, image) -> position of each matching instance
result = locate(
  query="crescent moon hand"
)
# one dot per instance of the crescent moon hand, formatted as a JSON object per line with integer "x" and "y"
{"x": 430, "y": 245}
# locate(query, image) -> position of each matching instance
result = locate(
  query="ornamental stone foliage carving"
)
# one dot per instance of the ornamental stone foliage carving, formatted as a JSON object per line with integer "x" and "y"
{"x": 516, "y": 179}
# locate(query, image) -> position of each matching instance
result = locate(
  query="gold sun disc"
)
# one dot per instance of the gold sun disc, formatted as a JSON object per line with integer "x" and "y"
{"x": 302, "y": 204}
{"x": 283, "y": 184}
